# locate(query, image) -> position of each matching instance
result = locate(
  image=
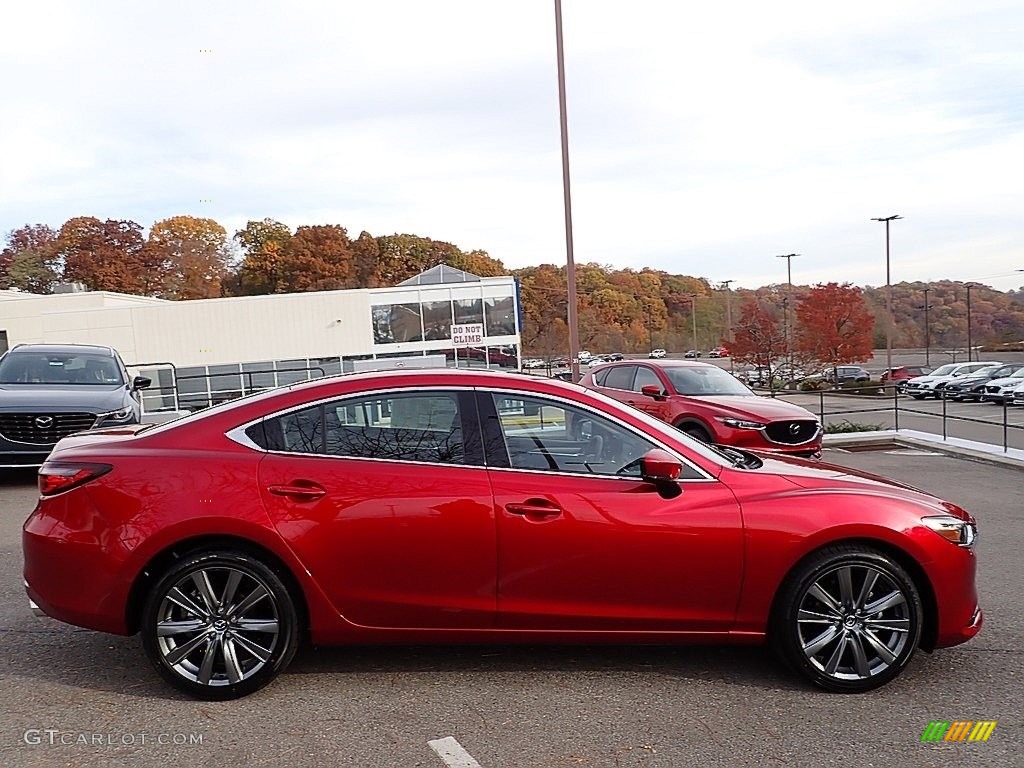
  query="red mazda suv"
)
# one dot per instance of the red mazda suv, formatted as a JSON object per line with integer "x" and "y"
{"x": 443, "y": 506}
{"x": 710, "y": 404}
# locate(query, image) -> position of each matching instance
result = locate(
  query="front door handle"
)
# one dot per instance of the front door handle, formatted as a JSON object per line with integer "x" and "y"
{"x": 534, "y": 508}
{"x": 299, "y": 492}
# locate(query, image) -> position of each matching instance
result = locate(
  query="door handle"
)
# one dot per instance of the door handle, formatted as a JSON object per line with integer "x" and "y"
{"x": 534, "y": 508}
{"x": 301, "y": 492}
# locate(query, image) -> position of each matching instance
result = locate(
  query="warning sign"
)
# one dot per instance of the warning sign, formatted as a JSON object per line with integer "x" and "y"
{"x": 471, "y": 334}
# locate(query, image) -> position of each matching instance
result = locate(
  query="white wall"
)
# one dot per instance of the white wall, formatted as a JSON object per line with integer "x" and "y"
{"x": 230, "y": 330}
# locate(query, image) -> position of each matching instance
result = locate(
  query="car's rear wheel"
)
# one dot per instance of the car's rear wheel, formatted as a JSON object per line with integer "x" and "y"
{"x": 848, "y": 619}
{"x": 220, "y": 624}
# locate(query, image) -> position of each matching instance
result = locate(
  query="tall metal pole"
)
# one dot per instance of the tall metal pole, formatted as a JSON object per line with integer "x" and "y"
{"x": 728, "y": 310}
{"x": 693, "y": 315}
{"x": 785, "y": 306}
{"x": 888, "y": 294}
{"x": 570, "y": 270}
{"x": 927, "y": 331}
{"x": 969, "y": 285}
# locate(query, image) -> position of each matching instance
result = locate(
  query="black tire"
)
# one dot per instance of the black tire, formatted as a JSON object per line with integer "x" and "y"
{"x": 236, "y": 648}
{"x": 697, "y": 432}
{"x": 847, "y": 647}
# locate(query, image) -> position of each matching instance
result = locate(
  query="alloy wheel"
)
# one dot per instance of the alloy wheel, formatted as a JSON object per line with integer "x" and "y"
{"x": 217, "y": 626}
{"x": 854, "y": 622}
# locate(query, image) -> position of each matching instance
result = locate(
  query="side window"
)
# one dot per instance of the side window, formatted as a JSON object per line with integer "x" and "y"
{"x": 600, "y": 376}
{"x": 547, "y": 436}
{"x": 423, "y": 426}
{"x": 620, "y": 377}
{"x": 646, "y": 377}
{"x": 294, "y": 432}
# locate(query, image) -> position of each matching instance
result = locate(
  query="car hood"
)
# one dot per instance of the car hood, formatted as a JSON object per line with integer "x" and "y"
{"x": 818, "y": 475}
{"x": 60, "y": 397}
{"x": 1007, "y": 382}
{"x": 759, "y": 408}
{"x": 969, "y": 381}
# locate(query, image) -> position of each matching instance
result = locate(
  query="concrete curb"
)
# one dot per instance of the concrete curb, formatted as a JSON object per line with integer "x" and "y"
{"x": 953, "y": 446}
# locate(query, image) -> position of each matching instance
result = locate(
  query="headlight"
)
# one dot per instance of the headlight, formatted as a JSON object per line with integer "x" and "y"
{"x": 952, "y": 529}
{"x": 119, "y": 416}
{"x": 740, "y": 423}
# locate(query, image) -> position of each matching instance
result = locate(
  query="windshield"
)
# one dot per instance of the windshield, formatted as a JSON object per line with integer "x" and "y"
{"x": 1018, "y": 374}
{"x": 944, "y": 370}
{"x": 699, "y": 380}
{"x": 80, "y": 368}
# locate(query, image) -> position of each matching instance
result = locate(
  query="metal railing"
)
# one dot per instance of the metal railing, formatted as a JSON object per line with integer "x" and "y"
{"x": 211, "y": 396}
{"x": 890, "y": 395}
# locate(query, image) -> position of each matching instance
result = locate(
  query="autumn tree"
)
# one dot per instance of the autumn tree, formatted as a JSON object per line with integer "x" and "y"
{"x": 29, "y": 261}
{"x": 758, "y": 337}
{"x": 318, "y": 258}
{"x": 262, "y": 244}
{"x": 834, "y": 325}
{"x": 192, "y": 255}
{"x": 366, "y": 257}
{"x": 107, "y": 255}
{"x": 403, "y": 256}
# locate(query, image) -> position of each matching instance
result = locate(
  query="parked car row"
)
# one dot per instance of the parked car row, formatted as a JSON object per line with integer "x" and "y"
{"x": 981, "y": 381}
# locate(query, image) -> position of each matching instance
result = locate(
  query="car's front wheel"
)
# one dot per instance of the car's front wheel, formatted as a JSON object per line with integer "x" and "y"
{"x": 848, "y": 619}
{"x": 220, "y": 624}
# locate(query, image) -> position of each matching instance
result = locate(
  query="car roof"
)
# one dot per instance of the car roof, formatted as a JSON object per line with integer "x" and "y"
{"x": 63, "y": 349}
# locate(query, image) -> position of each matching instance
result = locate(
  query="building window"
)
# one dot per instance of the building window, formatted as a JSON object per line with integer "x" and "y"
{"x": 437, "y": 320}
{"x": 469, "y": 311}
{"x": 396, "y": 323}
{"x": 501, "y": 316}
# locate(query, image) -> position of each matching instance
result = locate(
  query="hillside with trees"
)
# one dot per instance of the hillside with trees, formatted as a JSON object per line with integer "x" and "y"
{"x": 625, "y": 310}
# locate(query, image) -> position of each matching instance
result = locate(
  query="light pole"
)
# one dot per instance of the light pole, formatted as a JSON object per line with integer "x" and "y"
{"x": 570, "y": 263}
{"x": 888, "y": 293}
{"x": 969, "y": 351}
{"x": 693, "y": 320}
{"x": 927, "y": 330}
{"x": 785, "y": 305}
{"x": 728, "y": 309}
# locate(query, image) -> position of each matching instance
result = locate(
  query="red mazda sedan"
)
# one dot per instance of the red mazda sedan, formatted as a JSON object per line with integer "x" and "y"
{"x": 476, "y": 506}
{"x": 710, "y": 404}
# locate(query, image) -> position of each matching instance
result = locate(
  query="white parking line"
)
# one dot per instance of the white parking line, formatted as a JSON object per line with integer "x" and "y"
{"x": 454, "y": 756}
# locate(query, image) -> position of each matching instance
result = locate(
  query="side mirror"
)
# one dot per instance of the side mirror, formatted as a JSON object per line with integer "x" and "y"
{"x": 653, "y": 390}
{"x": 141, "y": 382}
{"x": 662, "y": 469}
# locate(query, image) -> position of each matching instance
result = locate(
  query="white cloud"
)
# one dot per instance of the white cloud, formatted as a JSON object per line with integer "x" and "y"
{"x": 705, "y": 138}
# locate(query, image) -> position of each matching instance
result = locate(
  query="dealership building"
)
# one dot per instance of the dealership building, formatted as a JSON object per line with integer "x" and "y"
{"x": 201, "y": 351}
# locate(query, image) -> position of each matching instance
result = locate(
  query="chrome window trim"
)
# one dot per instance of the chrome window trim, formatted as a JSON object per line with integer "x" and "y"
{"x": 629, "y": 427}
{"x": 237, "y": 434}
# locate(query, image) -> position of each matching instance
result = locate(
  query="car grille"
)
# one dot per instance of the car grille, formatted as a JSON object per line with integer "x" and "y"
{"x": 992, "y": 390}
{"x": 912, "y": 384}
{"x": 791, "y": 432}
{"x": 43, "y": 428}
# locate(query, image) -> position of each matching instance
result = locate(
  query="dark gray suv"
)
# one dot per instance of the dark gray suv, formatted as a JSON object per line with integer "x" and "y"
{"x": 50, "y": 391}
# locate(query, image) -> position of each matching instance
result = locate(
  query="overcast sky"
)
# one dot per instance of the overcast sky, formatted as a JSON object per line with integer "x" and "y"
{"x": 705, "y": 138}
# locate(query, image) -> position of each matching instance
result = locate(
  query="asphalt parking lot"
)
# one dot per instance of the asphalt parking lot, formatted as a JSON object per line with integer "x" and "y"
{"x": 516, "y": 707}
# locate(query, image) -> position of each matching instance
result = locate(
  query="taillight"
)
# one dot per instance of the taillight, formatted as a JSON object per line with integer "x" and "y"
{"x": 58, "y": 476}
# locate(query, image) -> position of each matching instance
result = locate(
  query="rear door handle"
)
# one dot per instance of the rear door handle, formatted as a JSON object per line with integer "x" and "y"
{"x": 534, "y": 508}
{"x": 299, "y": 492}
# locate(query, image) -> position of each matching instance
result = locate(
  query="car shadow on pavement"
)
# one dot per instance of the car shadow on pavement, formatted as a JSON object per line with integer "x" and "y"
{"x": 744, "y": 666}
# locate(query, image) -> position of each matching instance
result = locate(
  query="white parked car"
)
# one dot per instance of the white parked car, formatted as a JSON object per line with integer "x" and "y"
{"x": 657, "y": 353}
{"x": 931, "y": 385}
{"x": 1003, "y": 390}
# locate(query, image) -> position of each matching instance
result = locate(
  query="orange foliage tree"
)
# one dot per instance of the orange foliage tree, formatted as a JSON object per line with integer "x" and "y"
{"x": 834, "y": 325}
